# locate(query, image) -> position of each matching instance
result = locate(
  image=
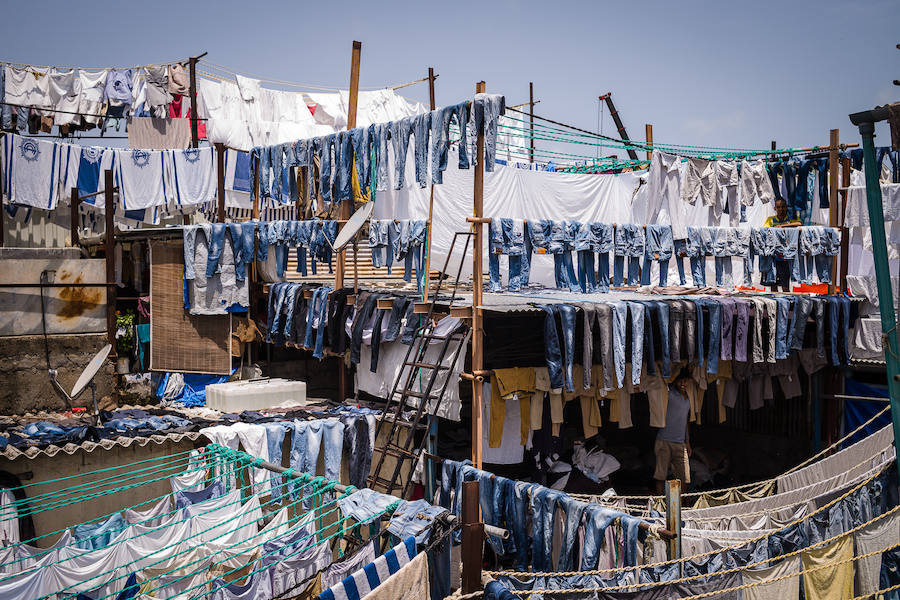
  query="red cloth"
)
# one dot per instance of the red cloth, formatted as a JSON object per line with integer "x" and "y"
{"x": 175, "y": 106}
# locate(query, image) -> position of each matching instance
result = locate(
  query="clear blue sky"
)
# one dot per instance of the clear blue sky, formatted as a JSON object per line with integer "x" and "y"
{"x": 735, "y": 74}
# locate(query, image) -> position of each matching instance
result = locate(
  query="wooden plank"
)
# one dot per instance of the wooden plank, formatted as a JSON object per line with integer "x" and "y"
{"x": 833, "y": 171}
{"x": 477, "y": 293}
{"x": 109, "y": 249}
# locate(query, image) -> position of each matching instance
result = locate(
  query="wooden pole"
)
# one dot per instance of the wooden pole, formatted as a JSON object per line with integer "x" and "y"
{"x": 472, "y": 549}
{"x": 74, "y": 202}
{"x": 220, "y": 176}
{"x": 531, "y": 119}
{"x": 192, "y": 91}
{"x": 845, "y": 232}
{"x": 110, "y": 251}
{"x": 673, "y": 518}
{"x": 433, "y": 106}
{"x": 833, "y": 171}
{"x": 2, "y": 211}
{"x": 477, "y": 294}
{"x": 648, "y": 133}
{"x": 351, "y": 123}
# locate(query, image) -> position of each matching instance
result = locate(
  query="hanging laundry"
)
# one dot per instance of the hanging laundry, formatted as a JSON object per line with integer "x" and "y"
{"x": 700, "y": 179}
{"x": 90, "y": 103}
{"x": 27, "y": 88}
{"x": 158, "y": 95}
{"x": 191, "y": 175}
{"x": 65, "y": 96}
{"x": 31, "y": 171}
{"x": 141, "y": 178}
{"x": 179, "y": 83}
{"x": 118, "y": 90}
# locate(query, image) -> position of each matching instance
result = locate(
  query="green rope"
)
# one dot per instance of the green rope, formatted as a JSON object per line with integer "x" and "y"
{"x": 36, "y": 500}
{"x": 149, "y": 532}
{"x": 100, "y": 518}
{"x": 116, "y": 468}
{"x": 201, "y": 559}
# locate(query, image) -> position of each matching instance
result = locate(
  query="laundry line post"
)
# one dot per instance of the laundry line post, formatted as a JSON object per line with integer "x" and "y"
{"x": 472, "y": 548}
{"x": 220, "y": 182}
{"x": 673, "y": 519}
{"x": 477, "y": 292}
{"x": 833, "y": 169}
{"x": 110, "y": 251}
{"x": 428, "y": 232}
{"x": 648, "y": 133}
{"x": 866, "y": 123}
{"x": 845, "y": 231}
{"x": 74, "y": 202}
{"x": 431, "y": 441}
{"x": 531, "y": 119}
{"x": 347, "y": 205}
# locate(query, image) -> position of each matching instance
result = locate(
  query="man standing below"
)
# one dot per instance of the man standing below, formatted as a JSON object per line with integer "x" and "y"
{"x": 673, "y": 445}
{"x": 782, "y": 267}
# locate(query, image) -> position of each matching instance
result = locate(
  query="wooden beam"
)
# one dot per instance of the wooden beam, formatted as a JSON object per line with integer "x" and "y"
{"x": 2, "y": 211}
{"x": 428, "y": 236}
{"x": 648, "y": 133}
{"x": 74, "y": 202}
{"x": 472, "y": 550}
{"x": 477, "y": 293}
{"x": 833, "y": 171}
{"x": 192, "y": 92}
{"x": 531, "y": 119}
{"x": 845, "y": 231}
{"x": 110, "y": 251}
{"x": 673, "y": 517}
{"x": 220, "y": 177}
{"x": 346, "y": 206}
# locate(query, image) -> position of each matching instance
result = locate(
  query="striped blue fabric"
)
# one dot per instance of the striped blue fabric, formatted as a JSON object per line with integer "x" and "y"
{"x": 373, "y": 574}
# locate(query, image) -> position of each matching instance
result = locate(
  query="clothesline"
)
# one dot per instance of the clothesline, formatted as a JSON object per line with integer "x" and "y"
{"x": 742, "y": 543}
{"x": 180, "y": 61}
{"x": 761, "y": 483}
{"x": 238, "y": 462}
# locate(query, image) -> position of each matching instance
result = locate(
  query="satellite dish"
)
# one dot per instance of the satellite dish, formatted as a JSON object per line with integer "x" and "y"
{"x": 85, "y": 380}
{"x": 353, "y": 225}
{"x": 91, "y": 370}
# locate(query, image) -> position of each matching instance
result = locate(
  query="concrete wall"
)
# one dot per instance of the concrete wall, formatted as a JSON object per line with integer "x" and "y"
{"x": 24, "y": 383}
{"x": 67, "y": 514}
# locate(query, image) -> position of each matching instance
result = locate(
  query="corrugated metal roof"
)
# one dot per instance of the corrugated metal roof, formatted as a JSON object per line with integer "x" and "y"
{"x": 108, "y": 444}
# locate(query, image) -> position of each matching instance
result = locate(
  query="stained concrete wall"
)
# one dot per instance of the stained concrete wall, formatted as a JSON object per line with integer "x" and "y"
{"x": 24, "y": 382}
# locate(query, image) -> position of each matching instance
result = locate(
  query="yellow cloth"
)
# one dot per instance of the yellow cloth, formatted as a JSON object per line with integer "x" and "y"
{"x": 829, "y": 583}
{"x": 590, "y": 415}
{"x": 358, "y": 196}
{"x": 507, "y": 384}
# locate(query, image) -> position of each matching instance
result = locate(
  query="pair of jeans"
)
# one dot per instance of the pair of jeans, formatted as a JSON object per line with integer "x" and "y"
{"x": 543, "y": 508}
{"x": 244, "y": 247}
{"x": 596, "y": 520}
{"x": 629, "y": 242}
{"x": 440, "y": 138}
{"x": 276, "y": 302}
{"x": 679, "y": 252}
{"x": 216, "y": 240}
{"x": 619, "y": 319}
{"x": 742, "y": 329}
{"x": 189, "y": 235}
{"x": 275, "y": 433}
{"x": 327, "y": 147}
{"x": 414, "y": 519}
{"x": 379, "y": 135}
{"x": 487, "y": 109}
{"x": 516, "y": 495}
{"x": 380, "y": 242}
{"x": 356, "y": 440}
{"x": 288, "y": 329}
{"x": 587, "y": 278}
{"x": 322, "y": 316}
{"x": 715, "y": 326}
{"x": 723, "y": 271}
{"x": 661, "y": 309}
{"x": 564, "y": 271}
{"x": 401, "y": 129}
{"x": 782, "y": 321}
{"x": 658, "y": 246}
{"x": 361, "y": 142}
{"x": 312, "y": 436}
{"x": 728, "y": 336}
{"x": 552, "y": 351}
{"x": 365, "y": 314}
{"x": 799, "y": 317}
{"x": 317, "y": 305}
{"x": 839, "y": 327}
